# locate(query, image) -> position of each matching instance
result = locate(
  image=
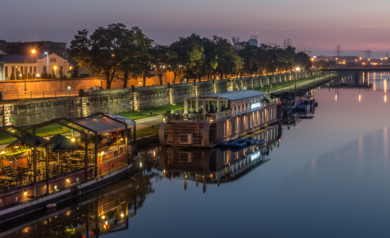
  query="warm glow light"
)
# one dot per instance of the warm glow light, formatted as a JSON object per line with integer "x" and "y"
{"x": 385, "y": 85}
{"x": 55, "y": 67}
{"x": 360, "y": 97}
{"x": 73, "y": 139}
{"x": 33, "y": 51}
{"x": 385, "y": 99}
{"x": 70, "y": 67}
{"x": 297, "y": 69}
{"x": 122, "y": 215}
{"x": 37, "y": 75}
{"x": 103, "y": 217}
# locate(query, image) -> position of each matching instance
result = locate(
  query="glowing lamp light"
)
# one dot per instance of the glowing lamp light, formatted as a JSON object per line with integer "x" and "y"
{"x": 297, "y": 69}
{"x": 122, "y": 215}
{"x": 33, "y": 51}
{"x": 73, "y": 139}
{"x": 103, "y": 217}
{"x": 139, "y": 82}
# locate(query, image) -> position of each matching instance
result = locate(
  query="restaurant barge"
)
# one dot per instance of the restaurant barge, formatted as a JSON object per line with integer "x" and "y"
{"x": 208, "y": 120}
{"x": 39, "y": 172}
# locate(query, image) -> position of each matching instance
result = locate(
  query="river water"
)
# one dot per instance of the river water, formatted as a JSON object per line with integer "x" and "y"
{"x": 326, "y": 176}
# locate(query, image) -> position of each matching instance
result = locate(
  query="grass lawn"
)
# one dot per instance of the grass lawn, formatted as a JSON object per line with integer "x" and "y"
{"x": 49, "y": 130}
{"x": 147, "y": 131}
{"x": 279, "y": 86}
{"x": 156, "y": 111}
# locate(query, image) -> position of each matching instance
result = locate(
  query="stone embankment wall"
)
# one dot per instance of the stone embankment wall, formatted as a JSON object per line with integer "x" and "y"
{"x": 127, "y": 99}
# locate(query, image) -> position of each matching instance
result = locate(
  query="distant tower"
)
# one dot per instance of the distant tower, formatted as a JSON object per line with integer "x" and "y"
{"x": 253, "y": 40}
{"x": 287, "y": 43}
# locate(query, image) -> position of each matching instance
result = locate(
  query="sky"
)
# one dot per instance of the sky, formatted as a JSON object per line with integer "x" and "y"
{"x": 316, "y": 26}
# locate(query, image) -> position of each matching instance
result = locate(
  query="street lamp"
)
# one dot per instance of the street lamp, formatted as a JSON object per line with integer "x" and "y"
{"x": 69, "y": 100}
{"x": 47, "y": 69}
{"x": 55, "y": 71}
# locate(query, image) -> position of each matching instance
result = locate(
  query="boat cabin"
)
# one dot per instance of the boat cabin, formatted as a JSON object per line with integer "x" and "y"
{"x": 208, "y": 120}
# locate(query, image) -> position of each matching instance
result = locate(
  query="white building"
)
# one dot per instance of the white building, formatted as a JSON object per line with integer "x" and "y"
{"x": 253, "y": 41}
{"x": 33, "y": 65}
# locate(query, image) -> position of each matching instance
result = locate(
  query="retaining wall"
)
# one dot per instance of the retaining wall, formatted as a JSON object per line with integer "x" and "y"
{"x": 115, "y": 101}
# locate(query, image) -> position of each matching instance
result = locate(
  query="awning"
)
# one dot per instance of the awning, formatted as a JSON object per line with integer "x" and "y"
{"x": 102, "y": 124}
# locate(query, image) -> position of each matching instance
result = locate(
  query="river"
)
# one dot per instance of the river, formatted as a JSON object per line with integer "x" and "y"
{"x": 327, "y": 176}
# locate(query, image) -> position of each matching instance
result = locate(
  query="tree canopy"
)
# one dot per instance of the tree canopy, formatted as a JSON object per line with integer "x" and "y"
{"x": 118, "y": 52}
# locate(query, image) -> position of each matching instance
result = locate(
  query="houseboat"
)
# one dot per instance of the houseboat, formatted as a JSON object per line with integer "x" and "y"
{"x": 208, "y": 120}
{"x": 212, "y": 165}
{"x": 39, "y": 172}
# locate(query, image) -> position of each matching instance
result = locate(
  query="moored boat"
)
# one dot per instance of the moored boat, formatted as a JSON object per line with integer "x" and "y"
{"x": 38, "y": 171}
{"x": 208, "y": 120}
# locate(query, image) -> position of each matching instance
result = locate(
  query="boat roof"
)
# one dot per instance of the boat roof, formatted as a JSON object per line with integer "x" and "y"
{"x": 102, "y": 124}
{"x": 236, "y": 95}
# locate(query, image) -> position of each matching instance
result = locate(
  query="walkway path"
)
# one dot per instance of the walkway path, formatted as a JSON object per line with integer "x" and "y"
{"x": 303, "y": 84}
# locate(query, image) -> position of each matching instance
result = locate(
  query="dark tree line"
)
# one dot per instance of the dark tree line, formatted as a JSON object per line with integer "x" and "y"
{"x": 119, "y": 52}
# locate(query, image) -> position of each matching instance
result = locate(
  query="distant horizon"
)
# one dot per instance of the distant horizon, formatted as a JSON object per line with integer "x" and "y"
{"x": 312, "y": 26}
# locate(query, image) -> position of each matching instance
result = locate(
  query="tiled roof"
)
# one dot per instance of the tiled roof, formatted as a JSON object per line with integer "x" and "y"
{"x": 21, "y": 58}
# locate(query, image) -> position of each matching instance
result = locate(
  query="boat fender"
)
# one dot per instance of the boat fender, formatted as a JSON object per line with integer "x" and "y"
{"x": 185, "y": 116}
{"x": 51, "y": 205}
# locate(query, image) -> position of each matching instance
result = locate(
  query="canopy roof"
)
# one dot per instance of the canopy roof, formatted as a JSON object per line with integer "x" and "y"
{"x": 19, "y": 142}
{"x": 236, "y": 95}
{"x": 102, "y": 124}
{"x": 126, "y": 120}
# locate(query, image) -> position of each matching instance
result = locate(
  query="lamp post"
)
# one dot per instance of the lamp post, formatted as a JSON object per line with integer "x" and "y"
{"x": 47, "y": 69}
{"x": 69, "y": 100}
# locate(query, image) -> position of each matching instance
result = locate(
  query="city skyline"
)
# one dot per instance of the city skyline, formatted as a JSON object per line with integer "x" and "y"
{"x": 316, "y": 27}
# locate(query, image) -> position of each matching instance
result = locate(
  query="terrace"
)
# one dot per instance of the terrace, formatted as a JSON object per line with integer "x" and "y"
{"x": 97, "y": 145}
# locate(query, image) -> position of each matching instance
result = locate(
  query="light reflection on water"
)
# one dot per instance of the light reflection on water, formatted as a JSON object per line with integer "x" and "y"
{"x": 329, "y": 177}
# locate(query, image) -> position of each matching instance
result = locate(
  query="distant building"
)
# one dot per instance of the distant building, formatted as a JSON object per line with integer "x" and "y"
{"x": 33, "y": 65}
{"x": 25, "y": 48}
{"x": 253, "y": 41}
{"x": 2, "y": 45}
{"x": 2, "y": 71}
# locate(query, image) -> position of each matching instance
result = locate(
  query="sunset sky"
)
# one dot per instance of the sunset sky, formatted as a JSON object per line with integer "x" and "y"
{"x": 317, "y": 26}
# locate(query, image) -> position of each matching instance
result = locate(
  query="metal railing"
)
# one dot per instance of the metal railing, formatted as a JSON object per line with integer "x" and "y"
{"x": 38, "y": 94}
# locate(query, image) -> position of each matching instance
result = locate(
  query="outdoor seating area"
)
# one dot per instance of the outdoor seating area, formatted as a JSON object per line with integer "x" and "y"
{"x": 96, "y": 145}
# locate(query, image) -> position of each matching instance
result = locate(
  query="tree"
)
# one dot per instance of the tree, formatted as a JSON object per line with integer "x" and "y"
{"x": 303, "y": 60}
{"x": 159, "y": 58}
{"x": 12, "y": 76}
{"x": 75, "y": 71}
{"x": 174, "y": 64}
{"x": 191, "y": 53}
{"x": 226, "y": 57}
{"x": 100, "y": 52}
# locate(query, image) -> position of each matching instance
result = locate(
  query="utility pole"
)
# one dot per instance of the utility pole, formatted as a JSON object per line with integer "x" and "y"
{"x": 338, "y": 50}
{"x": 368, "y": 54}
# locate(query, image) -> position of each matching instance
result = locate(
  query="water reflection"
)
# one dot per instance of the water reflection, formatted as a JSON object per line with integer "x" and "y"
{"x": 216, "y": 165}
{"x": 95, "y": 214}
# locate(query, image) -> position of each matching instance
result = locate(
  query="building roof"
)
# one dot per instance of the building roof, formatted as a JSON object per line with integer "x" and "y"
{"x": 236, "y": 95}
{"x": 21, "y": 58}
{"x": 102, "y": 124}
